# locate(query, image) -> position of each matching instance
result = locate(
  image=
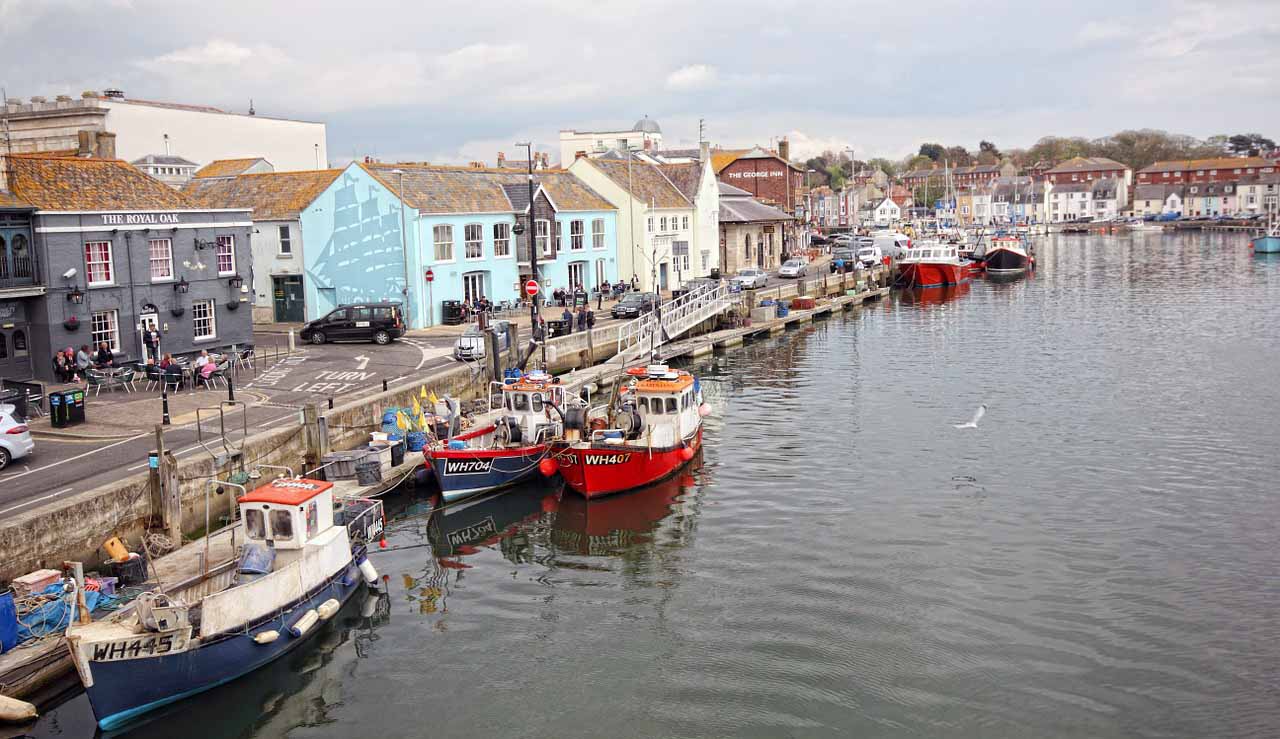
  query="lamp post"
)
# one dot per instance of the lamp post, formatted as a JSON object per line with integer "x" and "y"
{"x": 808, "y": 206}
{"x": 533, "y": 255}
{"x": 404, "y": 249}
{"x": 631, "y": 209}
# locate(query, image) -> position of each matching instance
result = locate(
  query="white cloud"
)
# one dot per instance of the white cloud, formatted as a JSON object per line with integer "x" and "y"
{"x": 1098, "y": 31}
{"x": 214, "y": 53}
{"x": 467, "y": 60}
{"x": 692, "y": 77}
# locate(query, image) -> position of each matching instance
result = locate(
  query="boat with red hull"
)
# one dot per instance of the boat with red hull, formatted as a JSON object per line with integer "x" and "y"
{"x": 650, "y": 432}
{"x": 933, "y": 264}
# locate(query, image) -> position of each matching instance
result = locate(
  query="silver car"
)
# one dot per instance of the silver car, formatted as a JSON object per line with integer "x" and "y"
{"x": 15, "y": 438}
{"x": 751, "y": 278}
{"x": 791, "y": 268}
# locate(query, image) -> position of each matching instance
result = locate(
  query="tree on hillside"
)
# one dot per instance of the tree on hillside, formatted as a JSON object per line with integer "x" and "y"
{"x": 883, "y": 164}
{"x": 988, "y": 148}
{"x": 958, "y": 156}
{"x": 933, "y": 151}
{"x": 836, "y": 176}
{"x": 1249, "y": 144}
{"x": 919, "y": 161}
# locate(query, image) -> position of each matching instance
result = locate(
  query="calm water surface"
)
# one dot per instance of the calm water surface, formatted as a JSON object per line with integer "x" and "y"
{"x": 1098, "y": 559}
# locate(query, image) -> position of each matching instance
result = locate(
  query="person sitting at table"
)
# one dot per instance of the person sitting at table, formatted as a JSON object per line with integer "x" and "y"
{"x": 206, "y": 370}
{"x": 203, "y": 359}
{"x": 83, "y": 360}
{"x": 105, "y": 357}
{"x": 63, "y": 367}
{"x": 167, "y": 361}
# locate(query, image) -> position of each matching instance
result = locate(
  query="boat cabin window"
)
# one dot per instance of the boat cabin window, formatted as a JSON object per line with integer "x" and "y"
{"x": 655, "y": 407}
{"x": 281, "y": 525}
{"x": 671, "y": 405}
{"x": 255, "y": 524}
{"x": 537, "y": 402}
{"x": 521, "y": 402}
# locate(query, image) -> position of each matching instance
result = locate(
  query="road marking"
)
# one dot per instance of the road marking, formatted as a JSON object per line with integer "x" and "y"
{"x": 361, "y": 362}
{"x": 35, "y": 500}
{"x": 99, "y": 450}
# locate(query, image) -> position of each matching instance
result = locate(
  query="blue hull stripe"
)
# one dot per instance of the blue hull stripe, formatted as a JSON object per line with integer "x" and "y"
{"x": 505, "y": 471}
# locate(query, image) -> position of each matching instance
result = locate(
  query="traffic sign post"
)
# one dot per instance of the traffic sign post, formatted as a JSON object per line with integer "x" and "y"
{"x": 531, "y": 288}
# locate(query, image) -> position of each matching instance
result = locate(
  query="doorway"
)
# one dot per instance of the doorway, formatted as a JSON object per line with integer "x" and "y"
{"x": 577, "y": 274}
{"x": 15, "y": 356}
{"x": 287, "y": 298}
{"x": 473, "y": 286}
{"x": 662, "y": 276}
{"x": 147, "y": 322}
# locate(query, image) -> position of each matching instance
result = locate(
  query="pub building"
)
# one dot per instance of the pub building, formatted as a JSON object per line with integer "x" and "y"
{"x": 94, "y": 250}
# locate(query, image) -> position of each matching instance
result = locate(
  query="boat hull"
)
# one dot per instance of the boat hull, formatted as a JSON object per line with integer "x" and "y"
{"x": 127, "y": 689}
{"x": 934, "y": 275}
{"x": 1266, "y": 245}
{"x": 462, "y": 473}
{"x": 605, "y": 469}
{"x": 1007, "y": 261}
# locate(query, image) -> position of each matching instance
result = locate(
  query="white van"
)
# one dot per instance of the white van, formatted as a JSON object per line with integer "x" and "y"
{"x": 892, "y": 243}
{"x": 870, "y": 255}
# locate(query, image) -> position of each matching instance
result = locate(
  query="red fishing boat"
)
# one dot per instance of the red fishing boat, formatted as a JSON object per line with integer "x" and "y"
{"x": 931, "y": 264}
{"x": 650, "y": 430}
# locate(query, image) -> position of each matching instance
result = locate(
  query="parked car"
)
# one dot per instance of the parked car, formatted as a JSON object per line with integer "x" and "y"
{"x": 634, "y": 305}
{"x": 791, "y": 268}
{"x": 472, "y": 344}
{"x": 870, "y": 255}
{"x": 751, "y": 277}
{"x": 15, "y": 438}
{"x": 380, "y": 323}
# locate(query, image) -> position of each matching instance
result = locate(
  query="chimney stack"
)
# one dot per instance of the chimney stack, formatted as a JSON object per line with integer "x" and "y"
{"x": 106, "y": 146}
{"x": 84, "y": 144}
{"x": 784, "y": 148}
{"x": 704, "y": 152}
{"x": 502, "y": 157}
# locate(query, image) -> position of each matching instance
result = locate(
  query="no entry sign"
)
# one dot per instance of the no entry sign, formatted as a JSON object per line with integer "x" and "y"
{"x": 431, "y": 276}
{"x": 531, "y": 288}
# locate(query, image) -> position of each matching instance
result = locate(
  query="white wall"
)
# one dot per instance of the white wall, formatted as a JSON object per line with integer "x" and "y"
{"x": 267, "y": 260}
{"x": 204, "y": 137}
{"x": 572, "y": 142}
{"x": 706, "y": 236}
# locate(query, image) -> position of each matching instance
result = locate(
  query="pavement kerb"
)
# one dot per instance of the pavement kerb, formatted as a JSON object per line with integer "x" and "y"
{"x": 126, "y": 433}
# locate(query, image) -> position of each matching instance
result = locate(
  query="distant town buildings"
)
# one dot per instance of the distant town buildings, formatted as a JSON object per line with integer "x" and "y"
{"x": 646, "y": 134}
{"x": 197, "y": 133}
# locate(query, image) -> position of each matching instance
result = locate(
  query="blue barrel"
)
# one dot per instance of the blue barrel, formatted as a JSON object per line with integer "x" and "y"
{"x": 8, "y": 623}
{"x": 416, "y": 440}
{"x": 388, "y": 417}
{"x": 257, "y": 558}
{"x": 456, "y": 444}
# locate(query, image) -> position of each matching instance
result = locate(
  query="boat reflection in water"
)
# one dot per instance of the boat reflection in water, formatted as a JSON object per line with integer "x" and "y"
{"x": 461, "y": 528}
{"x": 297, "y": 690}
{"x": 611, "y": 525}
{"x": 933, "y": 295}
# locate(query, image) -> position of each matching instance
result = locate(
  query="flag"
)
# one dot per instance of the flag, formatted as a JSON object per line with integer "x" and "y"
{"x": 402, "y": 423}
{"x": 417, "y": 409}
{"x": 433, "y": 398}
{"x": 423, "y": 392}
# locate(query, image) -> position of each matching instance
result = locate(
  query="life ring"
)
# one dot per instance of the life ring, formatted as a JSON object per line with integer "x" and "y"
{"x": 599, "y": 424}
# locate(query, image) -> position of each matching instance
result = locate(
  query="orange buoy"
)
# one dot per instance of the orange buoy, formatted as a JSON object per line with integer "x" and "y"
{"x": 687, "y": 453}
{"x": 548, "y": 467}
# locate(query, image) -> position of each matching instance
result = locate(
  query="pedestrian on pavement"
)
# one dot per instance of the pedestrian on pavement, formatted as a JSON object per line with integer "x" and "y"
{"x": 151, "y": 337}
{"x": 635, "y": 283}
{"x": 105, "y": 357}
{"x": 591, "y": 319}
{"x": 83, "y": 360}
{"x": 600, "y": 298}
{"x": 567, "y": 317}
{"x": 582, "y": 318}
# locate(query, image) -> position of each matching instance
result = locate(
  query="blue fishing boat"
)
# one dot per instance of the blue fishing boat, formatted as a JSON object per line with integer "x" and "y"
{"x": 504, "y": 445}
{"x": 300, "y": 563}
{"x": 1269, "y": 243}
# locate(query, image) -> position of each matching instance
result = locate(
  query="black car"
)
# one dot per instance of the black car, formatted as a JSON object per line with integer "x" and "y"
{"x": 380, "y": 323}
{"x": 634, "y": 305}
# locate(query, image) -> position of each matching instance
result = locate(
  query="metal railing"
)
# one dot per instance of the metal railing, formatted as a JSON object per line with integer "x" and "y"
{"x": 701, "y": 302}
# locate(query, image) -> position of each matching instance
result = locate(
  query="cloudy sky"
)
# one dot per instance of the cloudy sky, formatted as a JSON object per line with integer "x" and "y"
{"x": 456, "y": 81}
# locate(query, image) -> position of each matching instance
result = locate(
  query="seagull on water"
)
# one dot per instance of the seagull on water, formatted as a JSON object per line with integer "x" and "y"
{"x": 973, "y": 422}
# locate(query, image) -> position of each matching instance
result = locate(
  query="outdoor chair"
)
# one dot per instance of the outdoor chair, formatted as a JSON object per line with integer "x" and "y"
{"x": 123, "y": 378}
{"x": 245, "y": 360}
{"x": 171, "y": 380}
{"x": 35, "y": 402}
{"x": 155, "y": 376}
{"x": 94, "y": 380}
{"x": 220, "y": 373}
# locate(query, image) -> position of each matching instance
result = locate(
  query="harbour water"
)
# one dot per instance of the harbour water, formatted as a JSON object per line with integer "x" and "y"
{"x": 1096, "y": 559}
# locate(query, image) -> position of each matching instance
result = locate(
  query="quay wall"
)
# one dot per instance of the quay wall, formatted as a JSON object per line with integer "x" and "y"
{"x": 74, "y": 528}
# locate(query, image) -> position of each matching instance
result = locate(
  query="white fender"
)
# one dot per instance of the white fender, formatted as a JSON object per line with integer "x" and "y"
{"x": 370, "y": 574}
{"x": 328, "y": 608}
{"x": 266, "y": 637}
{"x": 370, "y": 606}
{"x": 304, "y": 624}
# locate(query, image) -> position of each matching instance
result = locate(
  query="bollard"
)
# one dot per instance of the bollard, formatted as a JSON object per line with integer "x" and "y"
{"x": 231, "y": 388}
{"x": 291, "y": 344}
{"x": 330, "y": 402}
{"x": 384, "y": 385}
{"x": 164, "y": 401}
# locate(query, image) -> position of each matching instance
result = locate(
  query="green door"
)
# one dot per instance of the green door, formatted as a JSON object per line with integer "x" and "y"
{"x": 287, "y": 292}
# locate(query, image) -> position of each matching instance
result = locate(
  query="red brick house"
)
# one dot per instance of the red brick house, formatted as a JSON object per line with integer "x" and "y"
{"x": 1222, "y": 169}
{"x": 767, "y": 175}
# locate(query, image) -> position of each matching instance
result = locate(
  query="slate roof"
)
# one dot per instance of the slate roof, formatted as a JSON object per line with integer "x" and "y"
{"x": 440, "y": 189}
{"x": 1156, "y": 192}
{"x": 1073, "y": 187}
{"x": 649, "y": 184}
{"x": 727, "y": 190}
{"x": 685, "y": 177}
{"x": 226, "y": 167}
{"x": 1105, "y": 187}
{"x": 1182, "y": 165}
{"x": 274, "y": 196}
{"x": 742, "y": 208}
{"x": 71, "y": 183}
{"x": 1086, "y": 164}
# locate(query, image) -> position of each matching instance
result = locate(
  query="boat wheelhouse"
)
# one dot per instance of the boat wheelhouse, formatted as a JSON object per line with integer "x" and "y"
{"x": 1008, "y": 254}
{"x": 506, "y": 442}
{"x": 300, "y": 563}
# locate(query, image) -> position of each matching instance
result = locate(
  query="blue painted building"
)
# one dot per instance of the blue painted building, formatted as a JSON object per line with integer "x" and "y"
{"x": 458, "y": 222}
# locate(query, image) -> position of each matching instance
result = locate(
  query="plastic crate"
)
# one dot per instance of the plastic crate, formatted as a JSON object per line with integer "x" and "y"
{"x": 342, "y": 465}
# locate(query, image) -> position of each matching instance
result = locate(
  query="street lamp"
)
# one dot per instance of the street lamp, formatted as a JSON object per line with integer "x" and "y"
{"x": 533, "y": 255}
{"x": 404, "y": 250}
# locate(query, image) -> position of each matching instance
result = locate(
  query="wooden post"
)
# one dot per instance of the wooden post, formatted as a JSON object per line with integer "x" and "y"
{"x": 171, "y": 510}
{"x": 311, "y": 431}
{"x": 153, "y": 475}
